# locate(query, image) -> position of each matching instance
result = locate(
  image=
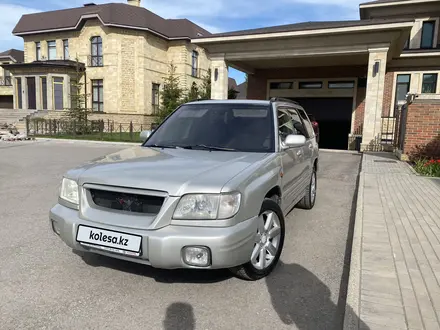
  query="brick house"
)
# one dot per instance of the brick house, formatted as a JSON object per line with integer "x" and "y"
{"x": 6, "y": 90}
{"x": 353, "y": 76}
{"x": 124, "y": 52}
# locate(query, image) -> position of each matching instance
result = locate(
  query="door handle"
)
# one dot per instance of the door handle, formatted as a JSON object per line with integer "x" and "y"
{"x": 299, "y": 153}
{"x": 310, "y": 146}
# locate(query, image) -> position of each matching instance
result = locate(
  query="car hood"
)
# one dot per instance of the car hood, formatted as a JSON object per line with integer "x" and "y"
{"x": 175, "y": 171}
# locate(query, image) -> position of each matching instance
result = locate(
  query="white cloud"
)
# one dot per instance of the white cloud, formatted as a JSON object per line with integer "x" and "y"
{"x": 11, "y": 14}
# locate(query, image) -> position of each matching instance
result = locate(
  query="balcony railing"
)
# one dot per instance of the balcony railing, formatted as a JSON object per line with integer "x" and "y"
{"x": 5, "y": 81}
{"x": 95, "y": 60}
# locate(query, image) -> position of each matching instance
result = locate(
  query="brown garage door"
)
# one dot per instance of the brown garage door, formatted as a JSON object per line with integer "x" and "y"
{"x": 334, "y": 118}
{"x": 6, "y": 102}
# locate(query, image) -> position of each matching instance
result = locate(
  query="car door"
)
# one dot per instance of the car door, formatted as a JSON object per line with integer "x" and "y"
{"x": 303, "y": 153}
{"x": 311, "y": 140}
{"x": 290, "y": 158}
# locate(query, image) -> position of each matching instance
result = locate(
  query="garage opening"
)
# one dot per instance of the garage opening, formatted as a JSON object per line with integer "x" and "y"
{"x": 334, "y": 118}
{"x": 6, "y": 102}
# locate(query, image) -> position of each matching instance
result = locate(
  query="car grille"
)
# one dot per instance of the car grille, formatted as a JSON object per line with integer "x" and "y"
{"x": 127, "y": 202}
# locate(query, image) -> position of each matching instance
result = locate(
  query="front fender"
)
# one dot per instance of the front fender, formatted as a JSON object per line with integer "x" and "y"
{"x": 254, "y": 184}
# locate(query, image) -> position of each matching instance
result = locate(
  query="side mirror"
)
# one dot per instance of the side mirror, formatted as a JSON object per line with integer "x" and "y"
{"x": 145, "y": 135}
{"x": 294, "y": 141}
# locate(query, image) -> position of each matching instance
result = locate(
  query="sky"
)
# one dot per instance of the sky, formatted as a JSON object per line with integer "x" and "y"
{"x": 213, "y": 15}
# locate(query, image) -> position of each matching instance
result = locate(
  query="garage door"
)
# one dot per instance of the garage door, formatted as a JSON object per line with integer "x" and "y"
{"x": 6, "y": 102}
{"x": 334, "y": 118}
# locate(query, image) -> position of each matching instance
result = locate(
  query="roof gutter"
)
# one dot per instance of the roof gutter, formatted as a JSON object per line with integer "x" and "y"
{"x": 274, "y": 35}
{"x": 394, "y": 3}
{"x": 8, "y": 56}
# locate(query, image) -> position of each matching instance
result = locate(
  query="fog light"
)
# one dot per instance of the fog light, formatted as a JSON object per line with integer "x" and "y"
{"x": 56, "y": 228}
{"x": 199, "y": 256}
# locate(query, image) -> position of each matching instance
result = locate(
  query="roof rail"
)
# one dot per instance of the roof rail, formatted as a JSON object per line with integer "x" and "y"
{"x": 198, "y": 100}
{"x": 282, "y": 99}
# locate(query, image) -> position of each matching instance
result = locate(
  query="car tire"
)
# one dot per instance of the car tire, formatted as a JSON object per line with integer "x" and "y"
{"x": 308, "y": 201}
{"x": 257, "y": 268}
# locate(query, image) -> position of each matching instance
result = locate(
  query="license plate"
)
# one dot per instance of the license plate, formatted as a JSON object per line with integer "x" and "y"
{"x": 112, "y": 241}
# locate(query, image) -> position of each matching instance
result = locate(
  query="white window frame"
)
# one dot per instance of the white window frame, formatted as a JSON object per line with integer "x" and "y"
{"x": 415, "y": 85}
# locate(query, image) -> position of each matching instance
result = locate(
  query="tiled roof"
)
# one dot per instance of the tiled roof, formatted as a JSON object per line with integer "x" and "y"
{"x": 17, "y": 55}
{"x": 111, "y": 14}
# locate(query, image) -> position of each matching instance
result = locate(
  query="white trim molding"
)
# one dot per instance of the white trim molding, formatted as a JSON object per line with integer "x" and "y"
{"x": 362, "y": 28}
{"x": 415, "y": 85}
{"x": 395, "y": 3}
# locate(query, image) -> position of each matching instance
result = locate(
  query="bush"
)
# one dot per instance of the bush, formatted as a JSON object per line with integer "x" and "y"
{"x": 428, "y": 167}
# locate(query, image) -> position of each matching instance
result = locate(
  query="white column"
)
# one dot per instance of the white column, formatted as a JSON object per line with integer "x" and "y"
{"x": 24, "y": 87}
{"x": 219, "y": 79}
{"x": 377, "y": 64}
{"x": 50, "y": 105}
{"x": 38, "y": 98}
{"x": 66, "y": 92}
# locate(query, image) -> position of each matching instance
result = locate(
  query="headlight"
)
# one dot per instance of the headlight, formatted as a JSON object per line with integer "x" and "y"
{"x": 69, "y": 191}
{"x": 207, "y": 206}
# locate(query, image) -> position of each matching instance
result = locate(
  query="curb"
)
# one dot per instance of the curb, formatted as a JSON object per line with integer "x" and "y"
{"x": 341, "y": 151}
{"x": 352, "y": 307}
{"x": 88, "y": 141}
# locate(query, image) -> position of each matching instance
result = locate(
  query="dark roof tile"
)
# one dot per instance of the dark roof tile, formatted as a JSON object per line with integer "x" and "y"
{"x": 110, "y": 14}
{"x": 17, "y": 55}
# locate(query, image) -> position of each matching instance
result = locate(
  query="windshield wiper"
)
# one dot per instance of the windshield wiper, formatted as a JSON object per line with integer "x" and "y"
{"x": 203, "y": 146}
{"x": 161, "y": 146}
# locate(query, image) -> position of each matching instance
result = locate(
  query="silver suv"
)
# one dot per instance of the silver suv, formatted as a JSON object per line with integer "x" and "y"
{"x": 208, "y": 189}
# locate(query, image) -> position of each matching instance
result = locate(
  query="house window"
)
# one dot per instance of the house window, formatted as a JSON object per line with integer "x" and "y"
{"x": 66, "y": 49}
{"x": 155, "y": 98}
{"x": 195, "y": 63}
{"x": 96, "y": 58}
{"x": 402, "y": 86}
{"x": 38, "y": 50}
{"x": 98, "y": 95}
{"x": 52, "y": 50}
{"x": 341, "y": 84}
{"x": 58, "y": 93}
{"x": 281, "y": 85}
{"x": 427, "y": 34}
{"x": 310, "y": 85}
{"x": 429, "y": 85}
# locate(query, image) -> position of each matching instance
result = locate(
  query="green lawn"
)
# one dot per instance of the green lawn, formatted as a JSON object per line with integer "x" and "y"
{"x": 114, "y": 137}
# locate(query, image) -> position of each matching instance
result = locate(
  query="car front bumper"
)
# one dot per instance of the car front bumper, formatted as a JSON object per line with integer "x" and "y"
{"x": 162, "y": 248}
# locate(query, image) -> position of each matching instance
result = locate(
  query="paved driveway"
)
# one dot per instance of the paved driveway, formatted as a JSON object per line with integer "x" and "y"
{"x": 44, "y": 285}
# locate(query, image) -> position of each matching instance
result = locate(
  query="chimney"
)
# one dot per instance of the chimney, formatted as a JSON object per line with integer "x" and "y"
{"x": 136, "y": 3}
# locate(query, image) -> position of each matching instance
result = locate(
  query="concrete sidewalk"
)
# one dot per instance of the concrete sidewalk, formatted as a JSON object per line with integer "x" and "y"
{"x": 395, "y": 266}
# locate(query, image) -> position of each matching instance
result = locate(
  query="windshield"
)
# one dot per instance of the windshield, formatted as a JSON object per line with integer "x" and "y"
{"x": 222, "y": 126}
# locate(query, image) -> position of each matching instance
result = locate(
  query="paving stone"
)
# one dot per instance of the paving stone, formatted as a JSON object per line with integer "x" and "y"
{"x": 383, "y": 301}
{"x": 400, "y": 275}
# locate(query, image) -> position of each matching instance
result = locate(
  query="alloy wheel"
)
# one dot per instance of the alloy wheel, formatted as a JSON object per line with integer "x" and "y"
{"x": 267, "y": 240}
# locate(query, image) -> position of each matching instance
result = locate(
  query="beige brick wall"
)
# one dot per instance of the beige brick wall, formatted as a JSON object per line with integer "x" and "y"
{"x": 133, "y": 61}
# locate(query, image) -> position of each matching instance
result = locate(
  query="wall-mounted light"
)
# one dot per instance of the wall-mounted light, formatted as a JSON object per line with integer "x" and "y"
{"x": 376, "y": 68}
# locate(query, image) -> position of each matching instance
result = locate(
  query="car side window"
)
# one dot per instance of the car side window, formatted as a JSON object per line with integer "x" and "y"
{"x": 297, "y": 123}
{"x": 285, "y": 124}
{"x": 307, "y": 123}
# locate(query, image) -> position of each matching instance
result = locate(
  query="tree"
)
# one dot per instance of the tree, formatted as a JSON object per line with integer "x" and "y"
{"x": 205, "y": 92}
{"x": 193, "y": 93}
{"x": 232, "y": 93}
{"x": 171, "y": 95}
{"x": 78, "y": 111}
